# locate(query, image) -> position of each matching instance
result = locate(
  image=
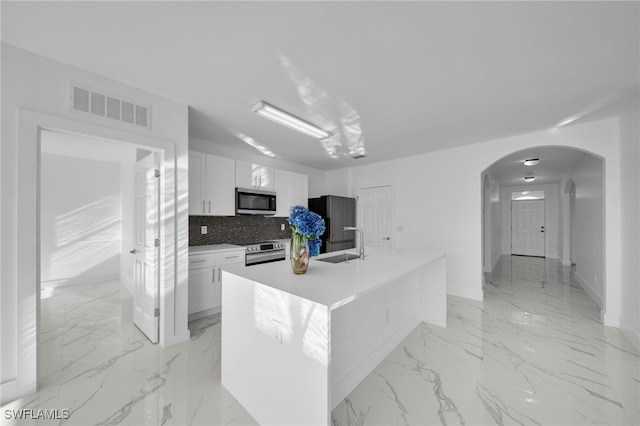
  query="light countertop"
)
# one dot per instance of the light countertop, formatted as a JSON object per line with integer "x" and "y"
{"x": 213, "y": 248}
{"x": 334, "y": 285}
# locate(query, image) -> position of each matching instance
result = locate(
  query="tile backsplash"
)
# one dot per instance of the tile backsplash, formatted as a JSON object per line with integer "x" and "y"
{"x": 236, "y": 229}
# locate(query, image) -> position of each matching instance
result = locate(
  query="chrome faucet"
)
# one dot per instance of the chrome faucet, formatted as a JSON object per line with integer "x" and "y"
{"x": 361, "y": 249}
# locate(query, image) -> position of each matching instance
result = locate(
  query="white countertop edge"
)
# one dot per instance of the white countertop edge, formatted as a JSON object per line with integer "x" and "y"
{"x": 338, "y": 300}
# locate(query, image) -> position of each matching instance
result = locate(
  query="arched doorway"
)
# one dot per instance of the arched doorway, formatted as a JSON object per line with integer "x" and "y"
{"x": 573, "y": 181}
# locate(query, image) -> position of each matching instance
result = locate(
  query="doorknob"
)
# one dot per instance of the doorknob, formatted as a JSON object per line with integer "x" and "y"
{"x": 132, "y": 251}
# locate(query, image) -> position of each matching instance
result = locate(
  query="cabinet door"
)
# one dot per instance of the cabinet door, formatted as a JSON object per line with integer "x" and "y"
{"x": 299, "y": 189}
{"x": 201, "y": 289}
{"x": 266, "y": 177}
{"x": 197, "y": 183}
{"x": 257, "y": 176}
{"x": 283, "y": 183}
{"x": 244, "y": 175}
{"x": 220, "y": 186}
{"x": 216, "y": 296}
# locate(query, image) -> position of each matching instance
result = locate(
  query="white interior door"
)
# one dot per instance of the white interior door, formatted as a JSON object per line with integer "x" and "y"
{"x": 146, "y": 251}
{"x": 374, "y": 215}
{"x": 528, "y": 228}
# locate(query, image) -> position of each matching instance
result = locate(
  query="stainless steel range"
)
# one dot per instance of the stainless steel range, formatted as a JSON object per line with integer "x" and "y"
{"x": 263, "y": 252}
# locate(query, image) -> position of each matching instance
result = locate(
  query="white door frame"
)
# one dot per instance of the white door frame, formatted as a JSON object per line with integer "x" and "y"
{"x": 30, "y": 125}
{"x": 568, "y": 215}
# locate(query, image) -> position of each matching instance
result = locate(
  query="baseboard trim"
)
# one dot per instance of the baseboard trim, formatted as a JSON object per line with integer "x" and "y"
{"x": 8, "y": 391}
{"x": 475, "y": 295}
{"x": 205, "y": 313}
{"x": 631, "y": 332}
{"x": 586, "y": 286}
{"x": 80, "y": 280}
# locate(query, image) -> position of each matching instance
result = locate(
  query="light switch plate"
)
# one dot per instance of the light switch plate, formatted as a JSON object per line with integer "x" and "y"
{"x": 203, "y": 230}
{"x": 282, "y": 226}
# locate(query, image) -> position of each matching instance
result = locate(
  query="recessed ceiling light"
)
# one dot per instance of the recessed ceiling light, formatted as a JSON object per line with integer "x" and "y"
{"x": 529, "y": 178}
{"x": 531, "y": 162}
{"x": 291, "y": 121}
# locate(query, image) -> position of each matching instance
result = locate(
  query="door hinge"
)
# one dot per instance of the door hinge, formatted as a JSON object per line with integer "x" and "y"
{"x": 156, "y": 312}
{"x": 156, "y": 243}
{"x": 157, "y": 171}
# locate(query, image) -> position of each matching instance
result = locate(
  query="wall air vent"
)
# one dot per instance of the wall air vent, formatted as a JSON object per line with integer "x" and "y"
{"x": 111, "y": 107}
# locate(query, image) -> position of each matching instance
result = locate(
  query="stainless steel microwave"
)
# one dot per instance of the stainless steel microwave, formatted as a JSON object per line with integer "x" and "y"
{"x": 255, "y": 201}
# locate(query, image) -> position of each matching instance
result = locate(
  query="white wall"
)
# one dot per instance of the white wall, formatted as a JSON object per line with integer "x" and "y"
{"x": 317, "y": 178}
{"x": 35, "y": 92}
{"x": 552, "y": 217}
{"x": 493, "y": 247}
{"x": 81, "y": 217}
{"x": 588, "y": 244}
{"x": 438, "y": 199}
{"x": 630, "y": 154}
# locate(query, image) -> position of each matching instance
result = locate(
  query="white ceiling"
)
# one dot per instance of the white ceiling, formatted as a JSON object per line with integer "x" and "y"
{"x": 399, "y": 77}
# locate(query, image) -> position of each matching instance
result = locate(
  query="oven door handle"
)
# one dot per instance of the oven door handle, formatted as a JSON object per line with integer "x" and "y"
{"x": 261, "y": 257}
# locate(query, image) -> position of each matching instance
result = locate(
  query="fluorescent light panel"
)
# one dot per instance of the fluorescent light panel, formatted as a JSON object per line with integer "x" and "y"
{"x": 282, "y": 117}
{"x": 531, "y": 162}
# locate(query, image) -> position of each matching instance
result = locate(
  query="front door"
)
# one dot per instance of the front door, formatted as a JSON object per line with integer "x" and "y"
{"x": 528, "y": 228}
{"x": 374, "y": 215}
{"x": 146, "y": 252}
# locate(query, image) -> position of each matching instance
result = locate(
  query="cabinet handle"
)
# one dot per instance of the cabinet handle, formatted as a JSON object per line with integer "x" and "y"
{"x": 213, "y": 280}
{"x": 232, "y": 257}
{"x": 198, "y": 261}
{"x": 202, "y": 206}
{"x": 209, "y": 206}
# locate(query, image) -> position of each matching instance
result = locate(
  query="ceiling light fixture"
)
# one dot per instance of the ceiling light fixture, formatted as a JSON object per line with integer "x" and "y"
{"x": 532, "y": 162}
{"x": 530, "y": 178}
{"x": 282, "y": 117}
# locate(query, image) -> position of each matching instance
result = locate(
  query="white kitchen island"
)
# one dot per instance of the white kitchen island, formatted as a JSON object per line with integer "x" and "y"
{"x": 294, "y": 346}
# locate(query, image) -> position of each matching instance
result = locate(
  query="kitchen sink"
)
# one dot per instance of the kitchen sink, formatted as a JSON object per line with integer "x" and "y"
{"x": 339, "y": 258}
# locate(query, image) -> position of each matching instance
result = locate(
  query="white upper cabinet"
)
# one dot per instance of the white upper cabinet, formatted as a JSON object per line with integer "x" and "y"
{"x": 211, "y": 185}
{"x": 250, "y": 175}
{"x": 291, "y": 189}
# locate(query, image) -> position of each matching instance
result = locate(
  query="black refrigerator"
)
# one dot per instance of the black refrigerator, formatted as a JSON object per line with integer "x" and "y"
{"x": 337, "y": 213}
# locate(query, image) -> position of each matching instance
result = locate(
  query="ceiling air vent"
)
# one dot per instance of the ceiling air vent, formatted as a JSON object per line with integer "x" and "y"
{"x": 111, "y": 107}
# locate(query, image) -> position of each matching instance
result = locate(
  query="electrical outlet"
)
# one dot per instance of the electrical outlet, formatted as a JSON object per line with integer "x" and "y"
{"x": 282, "y": 226}
{"x": 203, "y": 230}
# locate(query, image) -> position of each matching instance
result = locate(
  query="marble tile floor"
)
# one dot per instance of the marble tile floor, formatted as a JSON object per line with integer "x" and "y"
{"x": 534, "y": 352}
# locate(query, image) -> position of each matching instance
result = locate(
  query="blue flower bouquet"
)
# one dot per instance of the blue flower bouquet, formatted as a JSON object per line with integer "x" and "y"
{"x": 306, "y": 227}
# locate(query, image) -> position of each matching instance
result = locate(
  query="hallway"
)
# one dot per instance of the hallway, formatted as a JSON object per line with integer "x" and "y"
{"x": 534, "y": 352}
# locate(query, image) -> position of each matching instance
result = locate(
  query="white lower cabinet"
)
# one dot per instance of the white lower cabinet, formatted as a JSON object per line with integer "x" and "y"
{"x": 205, "y": 279}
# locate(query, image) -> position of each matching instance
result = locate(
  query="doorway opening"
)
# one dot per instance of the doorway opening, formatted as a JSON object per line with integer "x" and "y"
{"x": 528, "y": 223}
{"x": 97, "y": 216}
{"x": 553, "y": 209}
